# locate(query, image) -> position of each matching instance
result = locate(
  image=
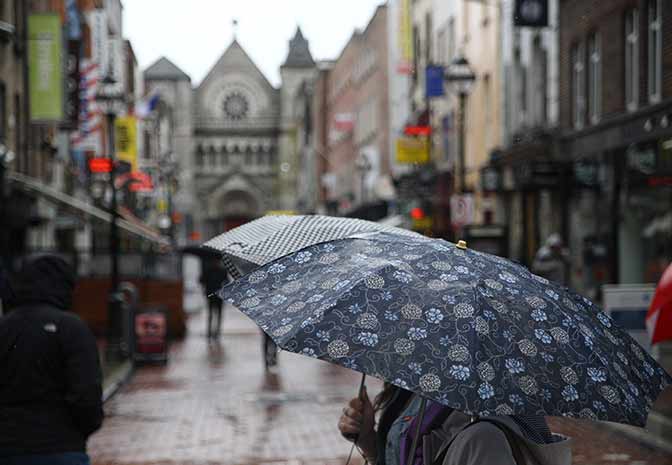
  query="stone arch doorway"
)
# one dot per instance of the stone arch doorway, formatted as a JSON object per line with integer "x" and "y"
{"x": 236, "y": 208}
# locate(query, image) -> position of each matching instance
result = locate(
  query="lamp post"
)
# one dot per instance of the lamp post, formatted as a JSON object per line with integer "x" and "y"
{"x": 110, "y": 99}
{"x": 363, "y": 165}
{"x": 461, "y": 78}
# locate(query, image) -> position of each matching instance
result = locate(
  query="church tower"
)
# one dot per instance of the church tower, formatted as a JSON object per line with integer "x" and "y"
{"x": 298, "y": 70}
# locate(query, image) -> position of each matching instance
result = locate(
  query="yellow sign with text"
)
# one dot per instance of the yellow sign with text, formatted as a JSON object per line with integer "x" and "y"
{"x": 126, "y": 140}
{"x": 412, "y": 150}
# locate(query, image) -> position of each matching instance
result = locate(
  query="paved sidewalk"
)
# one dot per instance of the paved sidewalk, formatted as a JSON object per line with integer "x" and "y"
{"x": 213, "y": 404}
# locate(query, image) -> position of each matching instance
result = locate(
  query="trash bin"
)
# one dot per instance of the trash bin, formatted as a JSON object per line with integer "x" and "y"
{"x": 150, "y": 335}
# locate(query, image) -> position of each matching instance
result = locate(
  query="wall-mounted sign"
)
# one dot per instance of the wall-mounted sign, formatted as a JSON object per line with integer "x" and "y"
{"x": 531, "y": 13}
{"x": 45, "y": 67}
{"x": 461, "y": 210}
{"x": 491, "y": 179}
{"x": 411, "y": 150}
{"x": 434, "y": 84}
{"x": 126, "y": 140}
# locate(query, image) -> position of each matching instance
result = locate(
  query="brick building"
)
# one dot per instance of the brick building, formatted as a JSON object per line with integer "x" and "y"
{"x": 615, "y": 111}
{"x": 356, "y": 138}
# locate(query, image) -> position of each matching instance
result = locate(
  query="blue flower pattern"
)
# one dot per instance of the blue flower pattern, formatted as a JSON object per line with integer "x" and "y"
{"x": 518, "y": 325}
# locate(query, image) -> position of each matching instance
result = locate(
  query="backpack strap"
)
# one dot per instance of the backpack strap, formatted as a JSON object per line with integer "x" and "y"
{"x": 515, "y": 445}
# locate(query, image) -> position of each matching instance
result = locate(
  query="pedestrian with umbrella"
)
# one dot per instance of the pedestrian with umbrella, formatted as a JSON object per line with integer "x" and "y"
{"x": 470, "y": 331}
{"x": 261, "y": 241}
{"x": 213, "y": 277}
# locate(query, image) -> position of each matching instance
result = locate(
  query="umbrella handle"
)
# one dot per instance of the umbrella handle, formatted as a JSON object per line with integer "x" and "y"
{"x": 355, "y": 437}
{"x": 416, "y": 436}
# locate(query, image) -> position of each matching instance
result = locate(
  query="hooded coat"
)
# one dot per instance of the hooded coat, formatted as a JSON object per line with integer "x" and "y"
{"x": 50, "y": 377}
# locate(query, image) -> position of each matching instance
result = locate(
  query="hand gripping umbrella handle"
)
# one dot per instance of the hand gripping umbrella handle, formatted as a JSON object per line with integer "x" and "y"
{"x": 355, "y": 437}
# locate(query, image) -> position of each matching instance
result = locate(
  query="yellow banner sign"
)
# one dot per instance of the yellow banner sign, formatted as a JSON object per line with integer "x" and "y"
{"x": 411, "y": 150}
{"x": 126, "y": 140}
{"x": 405, "y": 37}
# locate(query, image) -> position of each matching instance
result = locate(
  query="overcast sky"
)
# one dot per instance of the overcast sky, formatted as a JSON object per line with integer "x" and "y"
{"x": 195, "y": 33}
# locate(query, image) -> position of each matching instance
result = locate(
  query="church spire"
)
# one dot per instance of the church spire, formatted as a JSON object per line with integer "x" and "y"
{"x": 299, "y": 52}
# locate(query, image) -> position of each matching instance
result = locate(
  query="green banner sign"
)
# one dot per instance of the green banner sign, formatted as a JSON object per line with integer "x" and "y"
{"x": 45, "y": 67}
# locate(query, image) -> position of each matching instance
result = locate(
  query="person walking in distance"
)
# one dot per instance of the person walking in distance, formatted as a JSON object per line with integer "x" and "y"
{"x": 50, "y": 376}
{"x": 214, "y": 276}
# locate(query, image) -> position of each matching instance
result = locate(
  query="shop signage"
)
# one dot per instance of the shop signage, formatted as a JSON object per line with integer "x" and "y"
{"x": 411, "y": 150}
{"x": 45, "y": 68}
{"x": 642, "y": 159}
{"x": 434, "y": 81}
{"x": 405, "y": 65}
{"x": 72, "y": 77}
{"x": 531, "y": 13}
{"x": 126, "y": 139}
{"x": 100, "y": 165}
{"x": 539, "y": 175}
{"x": 418, "y": 130}
{"x": 491, "y": 179}
{"x": 586, "y": 173}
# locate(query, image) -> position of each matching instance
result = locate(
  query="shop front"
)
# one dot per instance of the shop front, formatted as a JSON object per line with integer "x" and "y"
{"x": 528, "y": 187}
{"x": 620, "y": 212}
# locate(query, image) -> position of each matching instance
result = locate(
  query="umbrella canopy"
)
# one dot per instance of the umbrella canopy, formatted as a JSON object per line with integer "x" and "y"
{"x": 659, "y": 316}
{"x": 200, "y": 251}
{"x": 271, "y": 237}
{"x": 470, "y": 330}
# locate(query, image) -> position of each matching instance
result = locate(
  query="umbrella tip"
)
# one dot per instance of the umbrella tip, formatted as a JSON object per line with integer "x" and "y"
{"x": 462, "y": 245}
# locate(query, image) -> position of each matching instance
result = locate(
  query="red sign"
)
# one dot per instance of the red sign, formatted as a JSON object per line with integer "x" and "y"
{"x": 150, "y": 333}
{"x": 100, "y": 165}
{"x": 418, "y": 130}
{"x": 417, "y": 213}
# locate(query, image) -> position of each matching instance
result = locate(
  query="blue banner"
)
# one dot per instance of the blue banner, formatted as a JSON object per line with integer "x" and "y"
{"x": 434, "y": 81}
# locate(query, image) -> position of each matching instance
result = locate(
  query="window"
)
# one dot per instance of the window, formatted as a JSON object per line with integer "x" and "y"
{"x": 655, "y": 50}
{"x": 417, "y": 46}
{"x": 428, "y": 38}
{"x": 442, "y": 46}
{"x": 578, "y": 85}
{"x": 632, "y": 59}
{"x": 540, "y": 86}
{"x": 520, "y": 88}
{"x": 3, "y": 114}
{"x": 595, "y": 77}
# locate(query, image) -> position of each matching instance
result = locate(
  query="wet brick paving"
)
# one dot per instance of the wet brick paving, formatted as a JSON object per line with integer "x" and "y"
{"x": 213, "y": 404}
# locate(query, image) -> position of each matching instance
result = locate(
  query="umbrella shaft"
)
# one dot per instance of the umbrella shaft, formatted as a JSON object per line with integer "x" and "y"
{"x": 416, "y": 435}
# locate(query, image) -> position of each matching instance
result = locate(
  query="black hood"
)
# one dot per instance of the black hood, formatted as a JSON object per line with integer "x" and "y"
{"x": 47, "y": 279}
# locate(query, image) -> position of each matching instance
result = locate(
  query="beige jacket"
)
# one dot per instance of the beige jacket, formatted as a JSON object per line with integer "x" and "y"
{"x": 486, "y": 444}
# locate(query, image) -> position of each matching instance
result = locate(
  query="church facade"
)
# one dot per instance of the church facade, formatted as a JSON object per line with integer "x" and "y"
{"x": 235, "y": 137}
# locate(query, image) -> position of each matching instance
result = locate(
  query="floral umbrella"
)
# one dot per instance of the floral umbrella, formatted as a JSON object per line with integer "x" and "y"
{"x": 470, "y": 330}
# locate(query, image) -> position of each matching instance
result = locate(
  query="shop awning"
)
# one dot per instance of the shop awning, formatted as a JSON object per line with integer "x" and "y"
{"x": 35, "y": 186}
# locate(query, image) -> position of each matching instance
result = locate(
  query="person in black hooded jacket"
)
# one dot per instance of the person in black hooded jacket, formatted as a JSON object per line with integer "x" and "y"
{"x": 50, "y": 377}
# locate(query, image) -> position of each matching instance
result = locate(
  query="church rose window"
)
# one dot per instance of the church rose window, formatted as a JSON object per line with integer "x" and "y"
{"x": 236, "y": 106}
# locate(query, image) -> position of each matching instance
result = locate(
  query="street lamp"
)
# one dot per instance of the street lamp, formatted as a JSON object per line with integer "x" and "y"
{"x": 363, "y": 166}
{"x": 460, "y": 77}
{"x": 110, "y": 100}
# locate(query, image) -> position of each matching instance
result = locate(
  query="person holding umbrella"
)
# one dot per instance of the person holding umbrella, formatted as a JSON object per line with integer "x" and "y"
{"x": 477, "y": 335}
{"x": 449, "y": 436}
